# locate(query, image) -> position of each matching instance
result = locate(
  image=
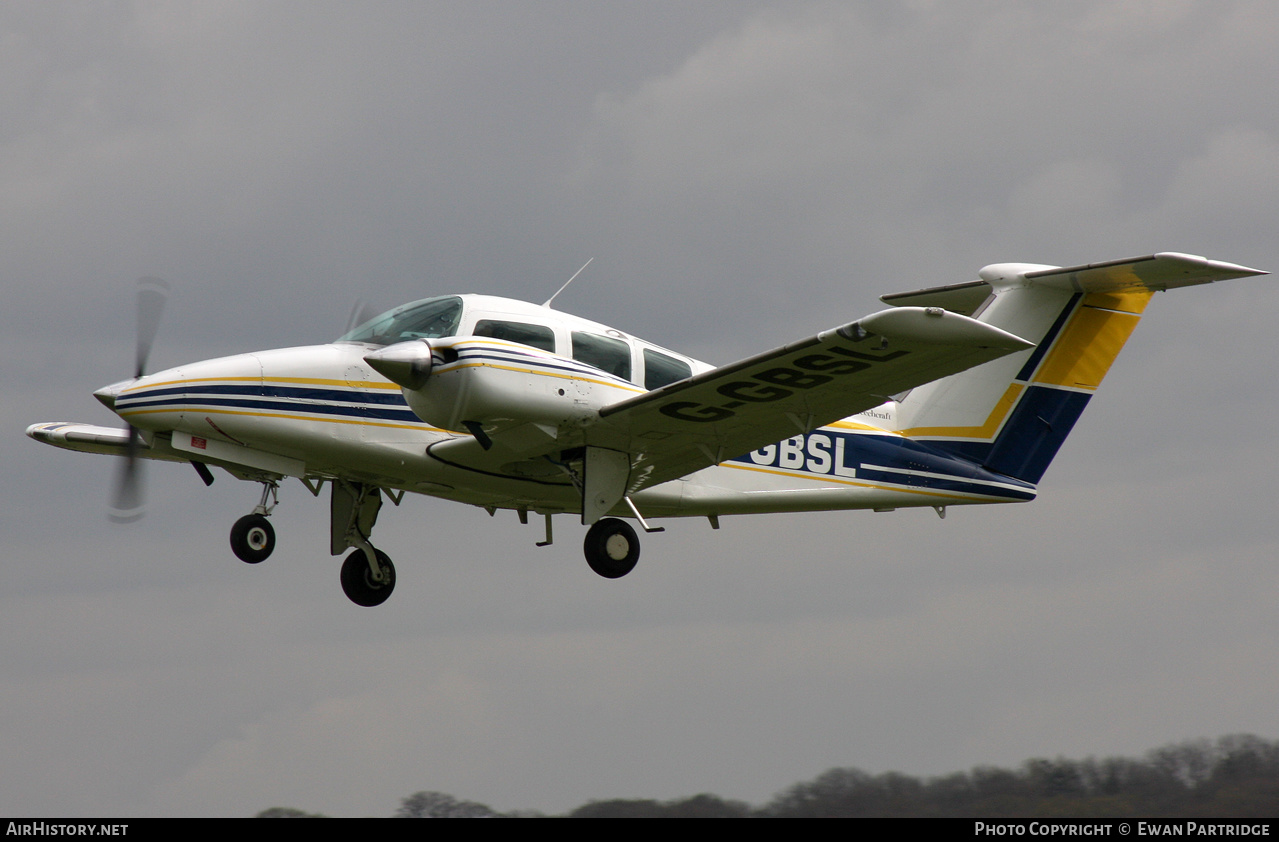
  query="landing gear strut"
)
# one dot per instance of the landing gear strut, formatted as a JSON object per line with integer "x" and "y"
{"x": 368, "y": 576}
{"x": 252, "y": 538}
{"x": 612, "y": 548}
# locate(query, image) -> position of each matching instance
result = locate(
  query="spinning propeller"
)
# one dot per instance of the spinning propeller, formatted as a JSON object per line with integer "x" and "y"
{"x": 127, "y": 502}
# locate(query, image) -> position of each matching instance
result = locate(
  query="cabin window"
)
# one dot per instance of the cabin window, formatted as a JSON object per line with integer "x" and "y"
{"x": 539, "y": 336}
{"x": 603, "y": 352}
{"x": 660, "y": 370}
{"x": 430, "y": 318}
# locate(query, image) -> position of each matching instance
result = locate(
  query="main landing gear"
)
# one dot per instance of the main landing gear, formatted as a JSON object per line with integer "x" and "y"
{"x": 612, "y": 548}
{"x": 368, "y": 576}
{"x": 361, "y": 584}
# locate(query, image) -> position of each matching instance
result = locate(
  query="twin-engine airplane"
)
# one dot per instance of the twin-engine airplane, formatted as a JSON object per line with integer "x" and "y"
{"x": 509, "y": 405}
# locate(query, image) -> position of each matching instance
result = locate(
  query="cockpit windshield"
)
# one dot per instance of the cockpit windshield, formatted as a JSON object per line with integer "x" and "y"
{"x": 429, "y": 318}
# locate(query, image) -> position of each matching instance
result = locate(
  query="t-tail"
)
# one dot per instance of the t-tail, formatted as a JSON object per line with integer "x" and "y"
{"x": 1013, "y": 414}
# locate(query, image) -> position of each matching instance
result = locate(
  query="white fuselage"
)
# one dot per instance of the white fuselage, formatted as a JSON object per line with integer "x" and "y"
{"x": 322, "y": 412}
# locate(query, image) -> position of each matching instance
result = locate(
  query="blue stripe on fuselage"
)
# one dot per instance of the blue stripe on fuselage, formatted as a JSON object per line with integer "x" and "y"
{"x": 883, "y": 459}
{"x": 310, "y": 393}
{"x": 388, "y": 406}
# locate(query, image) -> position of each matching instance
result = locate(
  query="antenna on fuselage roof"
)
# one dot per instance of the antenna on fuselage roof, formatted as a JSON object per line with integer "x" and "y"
{"x": 547, "y": 302}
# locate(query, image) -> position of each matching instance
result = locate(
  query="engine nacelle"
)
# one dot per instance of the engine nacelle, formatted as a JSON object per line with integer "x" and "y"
{"x": 458, "y": 382}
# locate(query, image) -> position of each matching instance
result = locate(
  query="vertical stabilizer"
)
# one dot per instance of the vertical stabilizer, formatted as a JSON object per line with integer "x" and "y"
{"x": 1012, "y": 415}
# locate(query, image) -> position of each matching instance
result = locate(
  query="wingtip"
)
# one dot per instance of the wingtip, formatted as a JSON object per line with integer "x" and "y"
{"x": 1218, "y": 265}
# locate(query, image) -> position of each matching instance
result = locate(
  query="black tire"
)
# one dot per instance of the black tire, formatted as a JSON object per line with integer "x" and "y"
{"x": 357, "y": 579}
{"x": 252, "y": 539}
{"x": 612, "y": 548}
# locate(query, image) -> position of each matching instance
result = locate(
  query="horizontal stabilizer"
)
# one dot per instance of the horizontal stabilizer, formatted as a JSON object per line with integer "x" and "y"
{"x": 1156, "y": 272}
{"x": 1153, "y": 273}
{"x": 962, "y": 298}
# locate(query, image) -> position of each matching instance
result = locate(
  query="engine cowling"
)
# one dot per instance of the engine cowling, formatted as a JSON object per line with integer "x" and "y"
{"x": 457, "y": 383}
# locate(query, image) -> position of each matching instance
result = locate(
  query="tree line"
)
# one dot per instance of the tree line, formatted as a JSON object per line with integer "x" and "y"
{"x": 1234, "y": 776}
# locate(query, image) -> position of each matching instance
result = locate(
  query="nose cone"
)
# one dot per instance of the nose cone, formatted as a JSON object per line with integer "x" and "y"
{"x": 108, "y": 394}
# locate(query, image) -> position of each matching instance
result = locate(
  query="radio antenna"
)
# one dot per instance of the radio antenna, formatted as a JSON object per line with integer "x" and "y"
{"x": 548, "y": 301}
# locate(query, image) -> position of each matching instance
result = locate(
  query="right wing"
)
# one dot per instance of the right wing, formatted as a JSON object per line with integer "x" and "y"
{"x": 720, "y": 414}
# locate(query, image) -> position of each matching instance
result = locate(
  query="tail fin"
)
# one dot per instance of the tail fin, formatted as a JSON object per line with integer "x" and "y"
{"x": 1011, "y": 415}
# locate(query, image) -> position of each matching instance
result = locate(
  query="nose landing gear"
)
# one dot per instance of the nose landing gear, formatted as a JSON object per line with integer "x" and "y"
{"x": 252, "y": 537}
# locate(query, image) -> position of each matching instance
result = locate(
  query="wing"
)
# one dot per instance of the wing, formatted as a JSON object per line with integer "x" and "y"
{"x": 87, "y": 438}
{"x": 241, "y": 462}
{"x": 701, "y": 421}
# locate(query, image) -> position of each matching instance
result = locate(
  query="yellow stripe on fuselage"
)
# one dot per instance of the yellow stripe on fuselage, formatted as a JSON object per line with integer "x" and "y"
{"x": 859, "y": 425}
{"x": 202, "y": 410}
{"x": 826, "y": 478}
{"x": 540, "y": 373}
{"x": 987, "y": 430}
{"x": 305, "y": 381}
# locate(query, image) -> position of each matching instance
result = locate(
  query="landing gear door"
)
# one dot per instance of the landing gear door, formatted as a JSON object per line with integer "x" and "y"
{"x": 605, "y": 474}
{"x": 352, "y": 513}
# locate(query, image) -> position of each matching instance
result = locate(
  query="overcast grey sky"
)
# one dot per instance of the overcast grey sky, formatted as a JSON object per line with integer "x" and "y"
{"x": 743, "y": 174}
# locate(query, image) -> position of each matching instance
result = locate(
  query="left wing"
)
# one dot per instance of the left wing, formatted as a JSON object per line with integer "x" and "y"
{"x": 88, "y": 438}
{"x": 241, "y": 462}
{"x": 720, "y": 414}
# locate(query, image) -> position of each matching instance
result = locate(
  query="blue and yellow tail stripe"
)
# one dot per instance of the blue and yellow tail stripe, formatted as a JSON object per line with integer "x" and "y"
{"x": 1093, "y": 338}
{"x": 1031, "y": 420}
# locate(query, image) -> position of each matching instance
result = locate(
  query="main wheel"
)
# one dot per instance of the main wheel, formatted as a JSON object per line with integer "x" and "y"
{"x": 358, "y": 583}
{"x": 252, "y": 538}
{"x": 612, "y": 548}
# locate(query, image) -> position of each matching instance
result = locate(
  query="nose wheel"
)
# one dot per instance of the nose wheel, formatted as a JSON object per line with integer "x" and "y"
{"x": 252, "y": 538}
{"x": 612, "y": 548}
{"x": 362, "y": 584}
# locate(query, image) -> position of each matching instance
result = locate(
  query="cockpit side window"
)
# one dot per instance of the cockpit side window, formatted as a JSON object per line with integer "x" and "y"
{"x": 660, "y": 370}
{"x": 539, "y": 336}
{"x": 428, "y": 319}
{"x": 603, "y": 352}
